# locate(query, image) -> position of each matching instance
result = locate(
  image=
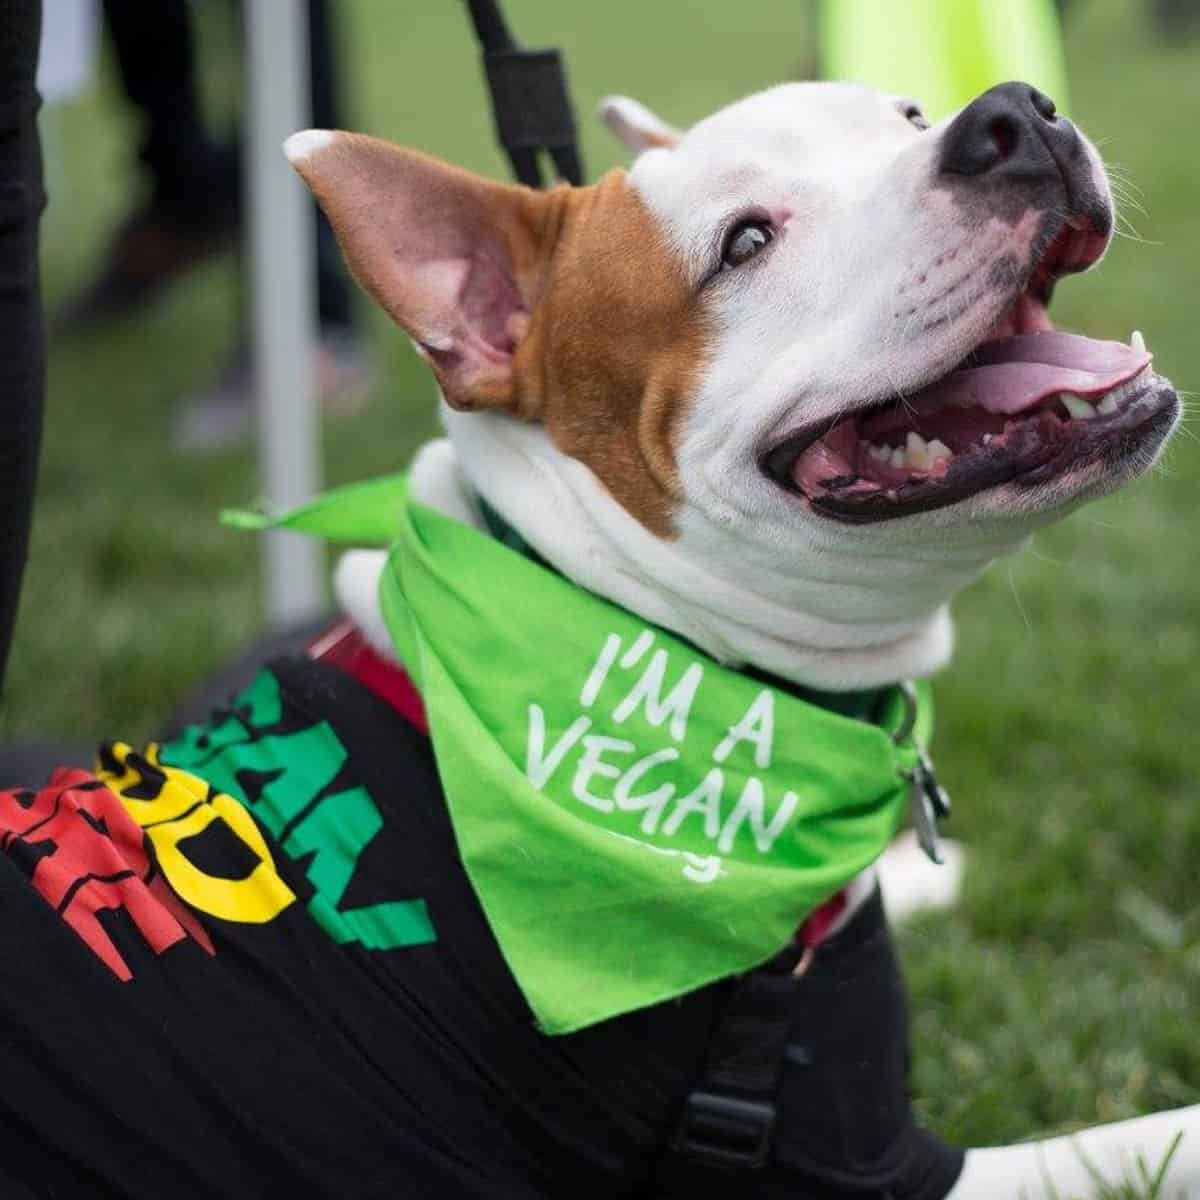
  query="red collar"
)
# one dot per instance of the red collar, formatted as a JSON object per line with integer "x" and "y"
{"x": 344, "y": 647}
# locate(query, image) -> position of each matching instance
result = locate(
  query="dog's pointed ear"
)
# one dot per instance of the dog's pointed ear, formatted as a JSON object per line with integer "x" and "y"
{"x": 635, "y": 125}
{"x": 456, "y": 260}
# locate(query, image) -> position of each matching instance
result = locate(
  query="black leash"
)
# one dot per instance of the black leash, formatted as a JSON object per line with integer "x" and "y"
{"x": 530, "y": 101}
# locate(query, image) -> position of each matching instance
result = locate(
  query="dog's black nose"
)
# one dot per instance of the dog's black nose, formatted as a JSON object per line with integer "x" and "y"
{"x": 1012, "y": 131}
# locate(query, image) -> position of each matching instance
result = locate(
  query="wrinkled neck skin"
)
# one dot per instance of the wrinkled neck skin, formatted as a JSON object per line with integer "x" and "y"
{"x": 828, "y": 609}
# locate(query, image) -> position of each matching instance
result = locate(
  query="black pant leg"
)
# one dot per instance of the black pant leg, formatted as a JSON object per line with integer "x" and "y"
{"x": 156, "y": 57}
{"x": 334, "y": 296}
{"x": 22, "y": 358}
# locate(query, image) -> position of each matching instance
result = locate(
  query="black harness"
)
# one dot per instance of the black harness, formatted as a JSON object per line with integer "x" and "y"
{"x": 724, "y": 1135}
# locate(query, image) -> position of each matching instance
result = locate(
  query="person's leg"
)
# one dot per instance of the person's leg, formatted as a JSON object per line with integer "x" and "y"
{"x": 220, "y": 415}
{"x": 342, "y": 364}
{"x": 193, "y": 196}
{"x": 156, "y": 57}
{"x": 22, "y": 362}
{"x": 333, "y": 288}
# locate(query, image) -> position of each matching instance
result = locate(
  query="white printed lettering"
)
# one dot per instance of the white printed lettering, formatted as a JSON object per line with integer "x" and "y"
{"x": 750, "y": 809}
{"x": 592, "y": 764}
{"x": 701, "y": 868}
{"x": 599, "y": 673}
{"x": 706, "y": 799}
{"x": 676, "y": 705}
{"x": 757, "y": 726}
{"x": 653, "y": 802}
{"x": 634, "y": 654}
{"x": 540, "y": 766}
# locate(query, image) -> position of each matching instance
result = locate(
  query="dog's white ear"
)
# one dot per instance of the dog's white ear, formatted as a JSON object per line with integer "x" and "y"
{"x": 456, "y": 260}
{"x": 635, "y": 125}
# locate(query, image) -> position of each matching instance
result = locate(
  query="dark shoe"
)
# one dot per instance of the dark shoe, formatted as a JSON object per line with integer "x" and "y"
{"x": 151, "y": 249}
{"x": 222, "y": 416}
{"x": 1176, "y": 18}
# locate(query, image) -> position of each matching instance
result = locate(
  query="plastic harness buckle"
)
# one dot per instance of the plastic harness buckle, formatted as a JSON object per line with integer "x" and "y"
{"x": 725, "y": 1131}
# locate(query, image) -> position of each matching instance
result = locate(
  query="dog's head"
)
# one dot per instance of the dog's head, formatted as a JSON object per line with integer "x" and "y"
{"x": 810, "y": 325}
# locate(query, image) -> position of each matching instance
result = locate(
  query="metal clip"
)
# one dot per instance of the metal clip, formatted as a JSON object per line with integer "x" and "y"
{"x": 930, "y": 803}
{"x": 929, "y": 800}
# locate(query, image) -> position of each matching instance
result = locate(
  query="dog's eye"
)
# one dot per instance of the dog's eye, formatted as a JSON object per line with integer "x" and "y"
{"x": 914, "y": 116}
{"x": 744, "y": 242}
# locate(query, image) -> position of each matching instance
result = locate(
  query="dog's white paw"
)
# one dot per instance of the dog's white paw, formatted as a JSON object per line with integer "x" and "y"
{"x": 436, "y": 480}
{"x": 912, "y": 883}
{"x": 356, "y": 587}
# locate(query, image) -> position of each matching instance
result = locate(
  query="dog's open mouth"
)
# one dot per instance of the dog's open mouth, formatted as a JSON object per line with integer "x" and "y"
{"x": 1029, "y": 404}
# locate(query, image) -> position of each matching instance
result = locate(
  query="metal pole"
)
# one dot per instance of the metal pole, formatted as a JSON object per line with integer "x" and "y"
{"x": 284, "y": 308}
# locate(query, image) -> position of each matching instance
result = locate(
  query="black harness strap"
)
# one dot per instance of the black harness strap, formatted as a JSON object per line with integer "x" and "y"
{"x": 530, "y": 101}
{"x": 722, "y": 1139}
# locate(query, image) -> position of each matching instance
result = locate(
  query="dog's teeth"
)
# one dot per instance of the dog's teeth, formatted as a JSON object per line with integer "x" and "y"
{"x": 987, "y": 437}
{"x": 1077, "y": 406}
{"x": 1108, "y": 405}
{"x": 938, "y": 450}
{"x": 1137, "y": 342}
{"x": 917, "y": 452}
{"x": 897, "y": 458}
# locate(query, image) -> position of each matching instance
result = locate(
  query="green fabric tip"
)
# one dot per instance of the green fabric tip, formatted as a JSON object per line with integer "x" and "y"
{"x": 365, "y": 513}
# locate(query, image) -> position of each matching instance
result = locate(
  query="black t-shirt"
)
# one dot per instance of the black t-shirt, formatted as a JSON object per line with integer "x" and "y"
{"x": 282, "y": 984}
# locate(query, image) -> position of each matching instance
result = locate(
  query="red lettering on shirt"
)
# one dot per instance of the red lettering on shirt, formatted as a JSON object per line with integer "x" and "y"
{"x": 87, "y": 855}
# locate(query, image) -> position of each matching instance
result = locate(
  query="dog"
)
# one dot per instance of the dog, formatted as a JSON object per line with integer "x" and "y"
{"x": 682, "y": 390}
{"x": 778, "y": 392}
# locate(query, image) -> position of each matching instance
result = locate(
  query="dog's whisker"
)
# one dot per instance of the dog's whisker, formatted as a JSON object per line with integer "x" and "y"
{"x": 1128, "y": 202}
{"x": 1184, "y": 427}
{"x": 1124, "y": 175}
{"x": 1036, "y": 552}
{"x": 1133, "y": 236}
{"x": 1126, "y": 187}
{"x": 1012, "y": 586}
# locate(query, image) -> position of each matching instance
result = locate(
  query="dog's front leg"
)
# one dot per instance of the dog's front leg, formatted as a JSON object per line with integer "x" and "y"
{"x": 1082, "y": 1165}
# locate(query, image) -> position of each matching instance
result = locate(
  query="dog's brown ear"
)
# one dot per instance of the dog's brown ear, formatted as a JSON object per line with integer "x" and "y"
{"x": 635, "y": 125}
{"x": 456, "y": 260}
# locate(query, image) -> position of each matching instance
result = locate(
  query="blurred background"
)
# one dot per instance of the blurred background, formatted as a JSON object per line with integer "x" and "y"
{"x": 1067, "y": 986}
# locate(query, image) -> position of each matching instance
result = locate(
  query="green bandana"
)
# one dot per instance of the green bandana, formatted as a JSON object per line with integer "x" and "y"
{"x": 636, "y": 819}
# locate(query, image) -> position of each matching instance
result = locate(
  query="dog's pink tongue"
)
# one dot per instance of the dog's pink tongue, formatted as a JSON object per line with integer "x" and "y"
{"x": 1013, "y": 374}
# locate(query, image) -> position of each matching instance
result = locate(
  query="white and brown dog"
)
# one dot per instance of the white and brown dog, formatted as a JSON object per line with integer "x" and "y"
{"x": 784, "y": 388}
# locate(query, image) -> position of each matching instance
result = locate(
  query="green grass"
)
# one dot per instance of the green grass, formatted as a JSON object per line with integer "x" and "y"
{"x": 1065, "y": 988}
{"x": 1145, "y": 1181}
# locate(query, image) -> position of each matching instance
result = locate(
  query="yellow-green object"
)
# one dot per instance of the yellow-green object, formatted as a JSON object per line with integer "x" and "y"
{"x": 943, "y": 53}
